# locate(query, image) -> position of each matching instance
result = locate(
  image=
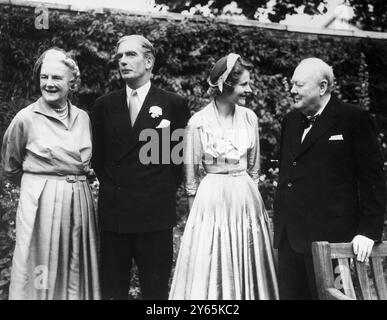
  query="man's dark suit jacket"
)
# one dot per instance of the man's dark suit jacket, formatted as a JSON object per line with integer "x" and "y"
{"x": 134, "y": 197}
{"x": 331, "y": 187}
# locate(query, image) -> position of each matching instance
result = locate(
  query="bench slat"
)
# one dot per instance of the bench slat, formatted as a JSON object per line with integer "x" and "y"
{"x": 344, "y": 282}
{"x": 361, "y": 270}
{"x": 323, "y": 263}
{"x": 345, "y": 273}
{"x": 344, "y": 250}
{"x": 380, "y": 285}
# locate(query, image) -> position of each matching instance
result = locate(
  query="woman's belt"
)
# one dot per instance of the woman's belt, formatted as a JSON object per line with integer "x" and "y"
{"x": 230, "y": 173}
{"x": 70, "y": 178}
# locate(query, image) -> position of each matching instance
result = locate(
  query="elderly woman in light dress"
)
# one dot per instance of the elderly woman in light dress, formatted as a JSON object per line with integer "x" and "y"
{"x": 46, "y": 150}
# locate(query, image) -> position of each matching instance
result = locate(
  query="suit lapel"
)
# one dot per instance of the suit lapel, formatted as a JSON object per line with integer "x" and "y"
{"x": 295, "y": 133}
{"x": 119, "y": 118}
{"x": 323, "y": 124}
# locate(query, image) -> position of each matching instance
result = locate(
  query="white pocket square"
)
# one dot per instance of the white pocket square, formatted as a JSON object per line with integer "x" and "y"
{"x": 336, "y": 137}
{"x": 163, "y": 124}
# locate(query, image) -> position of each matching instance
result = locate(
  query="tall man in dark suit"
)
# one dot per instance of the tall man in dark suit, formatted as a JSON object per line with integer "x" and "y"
{"x": 331, "y": 184}
{"x": 137, "y": 196}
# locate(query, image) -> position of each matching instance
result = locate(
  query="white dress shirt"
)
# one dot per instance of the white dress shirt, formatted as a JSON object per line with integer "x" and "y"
{"x": 141, "y": 93}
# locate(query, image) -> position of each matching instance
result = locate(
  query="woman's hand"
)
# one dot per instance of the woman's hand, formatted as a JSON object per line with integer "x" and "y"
{"x": 190, "y": 202}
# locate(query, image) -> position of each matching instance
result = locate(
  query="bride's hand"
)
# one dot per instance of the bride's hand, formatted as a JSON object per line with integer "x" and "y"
{"x": 190, "y": 202}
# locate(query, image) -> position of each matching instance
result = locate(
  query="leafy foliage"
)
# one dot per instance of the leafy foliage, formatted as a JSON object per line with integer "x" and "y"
{"x": 186, "y": 50}
{"x": 249, "y": 8}
{"x": 370, "y": 14}
{"x": 8, "y": 203}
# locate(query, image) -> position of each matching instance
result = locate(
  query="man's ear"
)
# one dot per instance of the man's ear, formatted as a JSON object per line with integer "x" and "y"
{"x": 323, "y": 87}
{"x": 149, "y": 61}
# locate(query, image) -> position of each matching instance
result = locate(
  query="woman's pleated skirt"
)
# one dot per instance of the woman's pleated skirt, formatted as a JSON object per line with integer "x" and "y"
{"x": 226, "y": 250}
{"x": 56, "y": 252}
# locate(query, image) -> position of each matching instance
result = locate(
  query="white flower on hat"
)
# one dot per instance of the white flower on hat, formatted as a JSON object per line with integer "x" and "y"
{"x": 155, "y": 111}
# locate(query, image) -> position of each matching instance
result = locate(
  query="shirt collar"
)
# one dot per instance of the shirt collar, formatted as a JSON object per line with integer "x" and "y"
{"x": 141, "y": 91}
{"x": 43, "y": 108}
{"x": 319, "y": 112}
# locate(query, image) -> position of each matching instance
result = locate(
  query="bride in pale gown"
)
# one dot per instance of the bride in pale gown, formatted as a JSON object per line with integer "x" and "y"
{"x": 226, "y": 250}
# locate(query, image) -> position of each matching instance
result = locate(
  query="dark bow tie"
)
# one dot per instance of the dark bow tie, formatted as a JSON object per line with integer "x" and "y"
{"x": 309, "y": 121}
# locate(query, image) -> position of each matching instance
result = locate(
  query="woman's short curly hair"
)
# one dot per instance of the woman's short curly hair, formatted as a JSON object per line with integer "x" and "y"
{"x": 233, "y": 78}
{"x": 65, "y": 58}
{"x": 240, "y": 66}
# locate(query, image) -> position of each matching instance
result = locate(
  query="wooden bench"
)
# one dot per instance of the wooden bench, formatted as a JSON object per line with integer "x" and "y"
{"x": 341, "y": 277}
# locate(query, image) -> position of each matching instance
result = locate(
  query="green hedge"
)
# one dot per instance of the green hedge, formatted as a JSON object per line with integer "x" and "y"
{"x": 186, "y": 50}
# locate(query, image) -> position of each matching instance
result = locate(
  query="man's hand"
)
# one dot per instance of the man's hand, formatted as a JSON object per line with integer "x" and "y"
{"x": 362, "y": 247}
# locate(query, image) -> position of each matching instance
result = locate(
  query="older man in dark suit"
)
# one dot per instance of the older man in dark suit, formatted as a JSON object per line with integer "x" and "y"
{"x": 331, "y": 184}
{"x": 137, "y": 194}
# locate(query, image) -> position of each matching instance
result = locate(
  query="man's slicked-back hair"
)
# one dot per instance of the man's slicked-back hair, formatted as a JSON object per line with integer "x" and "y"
{"x": 146, "y": 45}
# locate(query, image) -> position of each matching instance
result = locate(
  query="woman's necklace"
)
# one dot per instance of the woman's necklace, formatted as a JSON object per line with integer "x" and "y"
{"x": 62, "y": 113}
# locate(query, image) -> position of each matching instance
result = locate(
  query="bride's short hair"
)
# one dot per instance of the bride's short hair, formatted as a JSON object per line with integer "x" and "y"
{"x": 220, "y": 67}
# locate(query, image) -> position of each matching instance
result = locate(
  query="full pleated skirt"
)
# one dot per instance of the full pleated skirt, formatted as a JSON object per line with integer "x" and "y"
{"x": 226, "y": 250}
{"x": 56, "y": 252}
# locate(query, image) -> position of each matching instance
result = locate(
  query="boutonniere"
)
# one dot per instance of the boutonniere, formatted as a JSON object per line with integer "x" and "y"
{"x": 155, "y": 111}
